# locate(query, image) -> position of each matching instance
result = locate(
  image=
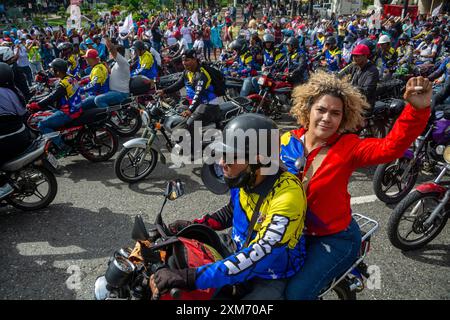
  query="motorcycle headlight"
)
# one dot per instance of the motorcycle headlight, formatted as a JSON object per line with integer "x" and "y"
{"x": 447, "y": 154}
{"x": 119, "y": 271}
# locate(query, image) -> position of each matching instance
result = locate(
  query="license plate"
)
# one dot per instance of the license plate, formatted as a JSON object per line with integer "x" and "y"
{"x": 261, "y": 81}
{"x": 52, "y": 160}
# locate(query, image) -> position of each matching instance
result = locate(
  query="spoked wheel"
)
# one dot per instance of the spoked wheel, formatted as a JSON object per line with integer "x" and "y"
{"x": 98, "y": 144}
{"x": 37, "y": 188}
{"x": 134, "y": 164}
{"x": 126, "y": 121}
{"x": 390, "y": 182}
{"x": 406, "y": 229}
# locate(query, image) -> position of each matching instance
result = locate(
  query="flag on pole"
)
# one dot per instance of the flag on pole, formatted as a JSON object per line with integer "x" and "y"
{"x": 436, "y": 11}
{"x": 127, "y": 24}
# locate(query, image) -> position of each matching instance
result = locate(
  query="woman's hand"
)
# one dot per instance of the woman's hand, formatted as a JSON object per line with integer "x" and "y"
{"x": 418, "y": 92}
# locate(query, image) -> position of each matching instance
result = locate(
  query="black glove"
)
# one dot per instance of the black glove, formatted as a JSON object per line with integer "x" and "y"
{"x": 178, "y": 225}
{"x": 166, "y": 279}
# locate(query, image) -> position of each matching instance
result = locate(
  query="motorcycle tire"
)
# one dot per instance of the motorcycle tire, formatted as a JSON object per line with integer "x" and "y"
{"x": 401, "y": 209}
{"x": 126, "y": 153}
{"x": 384, "y": 175}
{"x": 342, "y": 290}
{"x": 88, "y": 143}
{"x": 45, "y": 201}
{"x": 129, "y": 122}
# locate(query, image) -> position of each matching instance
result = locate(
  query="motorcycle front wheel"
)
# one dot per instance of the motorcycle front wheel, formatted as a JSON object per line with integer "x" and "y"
{"x": 405, "y": 227}
{"x": 387, "y": 183}
{"x": 37, "y": 188}
{"x": 134, "y": 164}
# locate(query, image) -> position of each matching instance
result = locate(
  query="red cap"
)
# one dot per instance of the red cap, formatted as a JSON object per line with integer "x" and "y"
{"x": 91, "y": 53}
{"x": 361, "y": 49}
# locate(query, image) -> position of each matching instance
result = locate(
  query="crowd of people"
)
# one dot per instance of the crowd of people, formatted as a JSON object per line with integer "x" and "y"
{"x": 325, "y": 106}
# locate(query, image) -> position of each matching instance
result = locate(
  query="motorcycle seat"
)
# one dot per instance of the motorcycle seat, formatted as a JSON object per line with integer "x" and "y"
{"x": 171, "y": 122}
{"x": 88, "y": 117}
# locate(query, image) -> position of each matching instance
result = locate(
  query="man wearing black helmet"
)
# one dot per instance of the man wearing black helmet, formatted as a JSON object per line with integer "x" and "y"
{"x": 200, "y": 93}
{"x": 146, "y": 64}
{"x": 66, "y": 98}
{"x": 266, "y": 214}
{"x": 14, "y": 135}
{"x": 66, "y": 53}
{"x": 245, "y": 64}
{"x": 404, "y": 54}
{"x": 296, "y": 62}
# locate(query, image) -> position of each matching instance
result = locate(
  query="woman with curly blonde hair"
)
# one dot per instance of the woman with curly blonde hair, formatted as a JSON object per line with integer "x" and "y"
{"x": 327, "y": 109}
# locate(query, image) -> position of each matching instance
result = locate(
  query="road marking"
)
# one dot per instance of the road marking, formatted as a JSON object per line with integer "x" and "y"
{"x": 363, "y": 199}
{"x": 44, "y": 248}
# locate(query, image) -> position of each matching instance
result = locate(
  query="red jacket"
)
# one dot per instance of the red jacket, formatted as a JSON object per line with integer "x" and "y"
{"x": 329, "y": 209}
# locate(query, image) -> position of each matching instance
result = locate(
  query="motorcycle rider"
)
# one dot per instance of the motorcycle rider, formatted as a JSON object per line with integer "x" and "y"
{"x": 100, "y": 47}
{"x": 203, "y": 102}
{"x": 272, "y": 57}
{"x": 387, "y": 56}
{"x": 404, "y": 55}
{"x": 444, "y": 92}
{"x": 67, "y": 97}
{"x": 146, "y": 64}
{"x": 296, "y": 62}
{"x": 333, "y": 54}
{"x": 326, "y": 108}
{"x": 347, "y": 49}
{"x": 14, "y": 135}
{"x": 66, "y": 53}
{"x": 20, "y": 81}
{"x": 363, "y": 73}
{"x": 245, "y": 63}
{"x": 267, "y": 248}
{"x": 98, "y": 79}
{"x": 427, "y": 50}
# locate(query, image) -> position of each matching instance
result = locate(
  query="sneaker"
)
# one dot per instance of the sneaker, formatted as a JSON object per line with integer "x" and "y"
{"x": 5, "y": 190}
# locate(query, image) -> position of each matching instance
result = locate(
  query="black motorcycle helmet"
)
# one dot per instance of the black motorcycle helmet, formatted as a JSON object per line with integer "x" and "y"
{"x": 428, "y": 38}
{"x": 6, "y": 75}
{"x": 292, "y": 41}
{"x": 233, "y": 146}
{"x": 371, "y": 45}
{"x": 59, "y": 65}
{"x": 139, "y": 45}
{"x": 331, "y": 41}
{"x": 349, "y": 39}
{"x": 238, "y": 46}
{"x": 64, "y": 46}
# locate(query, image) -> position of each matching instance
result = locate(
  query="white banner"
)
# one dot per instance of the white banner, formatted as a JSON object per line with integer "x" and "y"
{"x": 194, "y": 18}
{"x": 127, "y": 24}
{"x": 436, "y": 11}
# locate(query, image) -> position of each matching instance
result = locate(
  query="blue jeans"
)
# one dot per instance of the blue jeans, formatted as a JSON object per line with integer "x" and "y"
{"x": 327, "y": 258}
{"x": 53, "y": 122}
{"x": 88, "y": 103}
{"x": 110, "y": 98}
{"x": 250, "y": 85}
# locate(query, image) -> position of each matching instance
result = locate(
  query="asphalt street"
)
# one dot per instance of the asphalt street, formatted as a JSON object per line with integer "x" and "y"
{"x": 58, "y": 252}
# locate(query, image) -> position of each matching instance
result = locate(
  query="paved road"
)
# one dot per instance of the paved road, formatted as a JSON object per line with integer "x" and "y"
{"x": 57, "y": 253}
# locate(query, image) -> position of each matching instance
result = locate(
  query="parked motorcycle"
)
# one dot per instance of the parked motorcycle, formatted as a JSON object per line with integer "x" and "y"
{"x": 393, "y": 181}
{"x": 88, "y": 135}
{"x": 274, "y": 96}
{"x": 129, "y": 270}
{"x": 139, "y": 156}
{"x": 31, "y": 175}
{"x": 423, "y": 213}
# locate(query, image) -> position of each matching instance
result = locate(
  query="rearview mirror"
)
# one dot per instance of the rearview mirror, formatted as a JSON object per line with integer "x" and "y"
{"x": 139, "y": 231}
{"x": 174, "y": 189}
